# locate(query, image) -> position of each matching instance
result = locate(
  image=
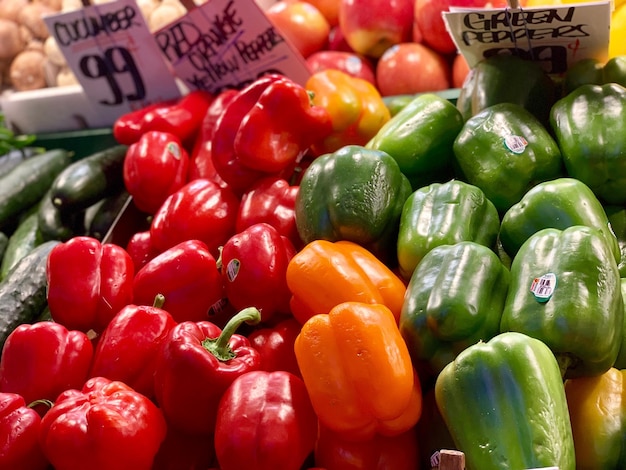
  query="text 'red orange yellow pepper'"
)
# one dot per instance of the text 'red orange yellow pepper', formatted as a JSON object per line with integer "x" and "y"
{"x": 324, "y": 274}
{"x": 358, "y": 372}
{"x": 356, "y": 108}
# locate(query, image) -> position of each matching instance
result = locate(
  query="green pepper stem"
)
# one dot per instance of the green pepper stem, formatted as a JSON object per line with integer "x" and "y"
{"x": 159, "y": 301}
{"x": 564, "y": 361}
{"x": 41, "y": 401}
{"x": 219, "y": 346}
{"x": 219, "y": 260}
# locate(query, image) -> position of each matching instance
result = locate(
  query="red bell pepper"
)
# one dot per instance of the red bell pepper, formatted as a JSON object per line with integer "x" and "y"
{"x": 155, "y": 166}
{"x": 334, "y": 452}
{"x": 254, "y": 267}
{"x": 180, "y": 451}
{"x": 104, "y": 425}
{"x": 41, "y": 360}
{"x": 201, "y": 164}
{"x": 275, "y": 345}
{"x": 181, "y": 117}
{"x": 195, "y": 366}
{"x": 187, "y": 276}
{"x": 201, "y": 210}
{"x": 265, "y": 421}
{"x": 271, "y": 200}
{"x": 140, "y": 249}
{"x": 265, "y": 130}
{"x": 19, "y": 428}
{"x": 88, "y": 283}
{"x": 126, "y": 349}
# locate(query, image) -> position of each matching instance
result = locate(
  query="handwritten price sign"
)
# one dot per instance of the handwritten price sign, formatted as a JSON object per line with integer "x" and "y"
{"x": 114, "y": 56}
{"x": 228, "y": 44}
{"x": 555, "y": 36}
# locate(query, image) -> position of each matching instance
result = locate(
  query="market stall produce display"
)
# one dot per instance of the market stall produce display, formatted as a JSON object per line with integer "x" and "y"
{"x": 321, "y": 275}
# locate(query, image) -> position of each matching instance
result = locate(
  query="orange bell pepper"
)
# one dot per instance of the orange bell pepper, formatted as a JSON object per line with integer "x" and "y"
{"x": 597, "y": 408}
{"x": 357, "y": 110}
{"x": 358, "y": 372}
{"x": 324, "y": 274}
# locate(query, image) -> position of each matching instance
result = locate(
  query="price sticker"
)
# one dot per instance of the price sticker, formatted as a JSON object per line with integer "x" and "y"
{"x": 114, "y": 56}
{"x": 228, "y": 44}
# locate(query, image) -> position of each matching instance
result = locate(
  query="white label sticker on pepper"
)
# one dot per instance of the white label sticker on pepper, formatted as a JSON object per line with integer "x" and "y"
{"x": 515, "y": 143}
{"x": 543, "y": 287}
{"x": 232, "y": 269}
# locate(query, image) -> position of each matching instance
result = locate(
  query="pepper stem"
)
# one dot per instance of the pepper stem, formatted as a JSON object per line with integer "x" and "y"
{"x": 219, "y": 260}
{"x": 219, "y": 346}
{"x": 42, "y": 401}
{"x": 564, "y": 361}
{"x": 159, "y": 301}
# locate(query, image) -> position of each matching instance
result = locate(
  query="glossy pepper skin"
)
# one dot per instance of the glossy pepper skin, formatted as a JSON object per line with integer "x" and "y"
{"x": 324, "y": 274}
{"x": 196, "y": 364}
{"x": 187, "y": 276}
{"x": 254, "y": 266}
{"x": 558, "y": 203}
{"x": 265, "y": 421}
{"x": 596, "y": 72}
{"x": 454, "y": 299}
{"x": 505, "y": 151}
{"x": 155, "y": 166}
{"x": 353, "y": 194}
{"x": 126, "y": 349}
{"x": 201, "y": 210}
{"x": 265, "y": 130}
{"x": 565, "y": 291}
{"x": 505, "y": 78}
{"x": 275, "y": 345}
{"x": 271, "y": 200}
{"x": 510, "y": 385}
{"x": 88, "y": 283}
{"x": 41, "y": 360}
{"x": 104, "y": 425}
{"x": 420, "y": 138}
{"x": 597, "y": 408}
{"x": 358, "y": 371}
{"x": 357, "y": 111}
{"x": 594, "y": 150}
{"x": 444, "y": 214}
{"x": 181, "y": 117}
{"x": 19, "y": 426}
{"x": 617, "y": 218}
{"x": 400, "y": 452}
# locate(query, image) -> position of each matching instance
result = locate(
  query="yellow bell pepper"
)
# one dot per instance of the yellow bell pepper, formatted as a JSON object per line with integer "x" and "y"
{"x": 597, "y": 407}
{"x": 356, "y": 108}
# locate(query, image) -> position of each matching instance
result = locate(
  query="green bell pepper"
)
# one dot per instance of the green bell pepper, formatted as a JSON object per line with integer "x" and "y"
{"x": 507, "y": 79}
{"x": 420, "y": 137}
{"x": 354, "y": 194}
{"x": 505, "y": 150}
{"x": 594, "y": 71}
{"x": 566, "y": 291}
{"x": 559, "y": 203}
{"x": 444, "y": 214}
{"x": 620, "y": 362}
{"x": 454, "y": 299}
{"x": 505, "y": 407}
{"x": 589, "y": 125}
{"x": 617, "y": 220}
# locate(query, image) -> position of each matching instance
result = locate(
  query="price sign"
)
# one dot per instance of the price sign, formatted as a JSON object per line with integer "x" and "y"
{"x": 114, "y": 56}
{"x": 554, "y": 36}
{"x": 228, "y": 44}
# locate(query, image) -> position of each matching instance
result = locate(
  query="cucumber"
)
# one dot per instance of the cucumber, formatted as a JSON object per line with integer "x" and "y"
{"x": 25, "y": 238}
{"x": 54, "y": 225}
{"x": 10, "y": 160}
{"x": 86, "y": 181}
{"x": 25, "y": 185}
{"x": 23, "y": 291}
{"x": 106, "y": 214}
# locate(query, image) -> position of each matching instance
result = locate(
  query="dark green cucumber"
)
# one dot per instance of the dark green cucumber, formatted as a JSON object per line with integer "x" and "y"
{"x": 55, "y": 225}
{"x": 26, "y": 184}
{"x": 86, "y": 181}
{"x": 23, "y": 291}
{"x": 13, "y": 158}
{"x": 25, "y": 238}
{"x": 106, "y": 214}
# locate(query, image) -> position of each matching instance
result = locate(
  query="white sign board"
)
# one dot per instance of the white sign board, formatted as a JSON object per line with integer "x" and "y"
{"x": 228, "y": 44}
{"x": 114, "y": 57}
{"x": 555, "y": 36}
